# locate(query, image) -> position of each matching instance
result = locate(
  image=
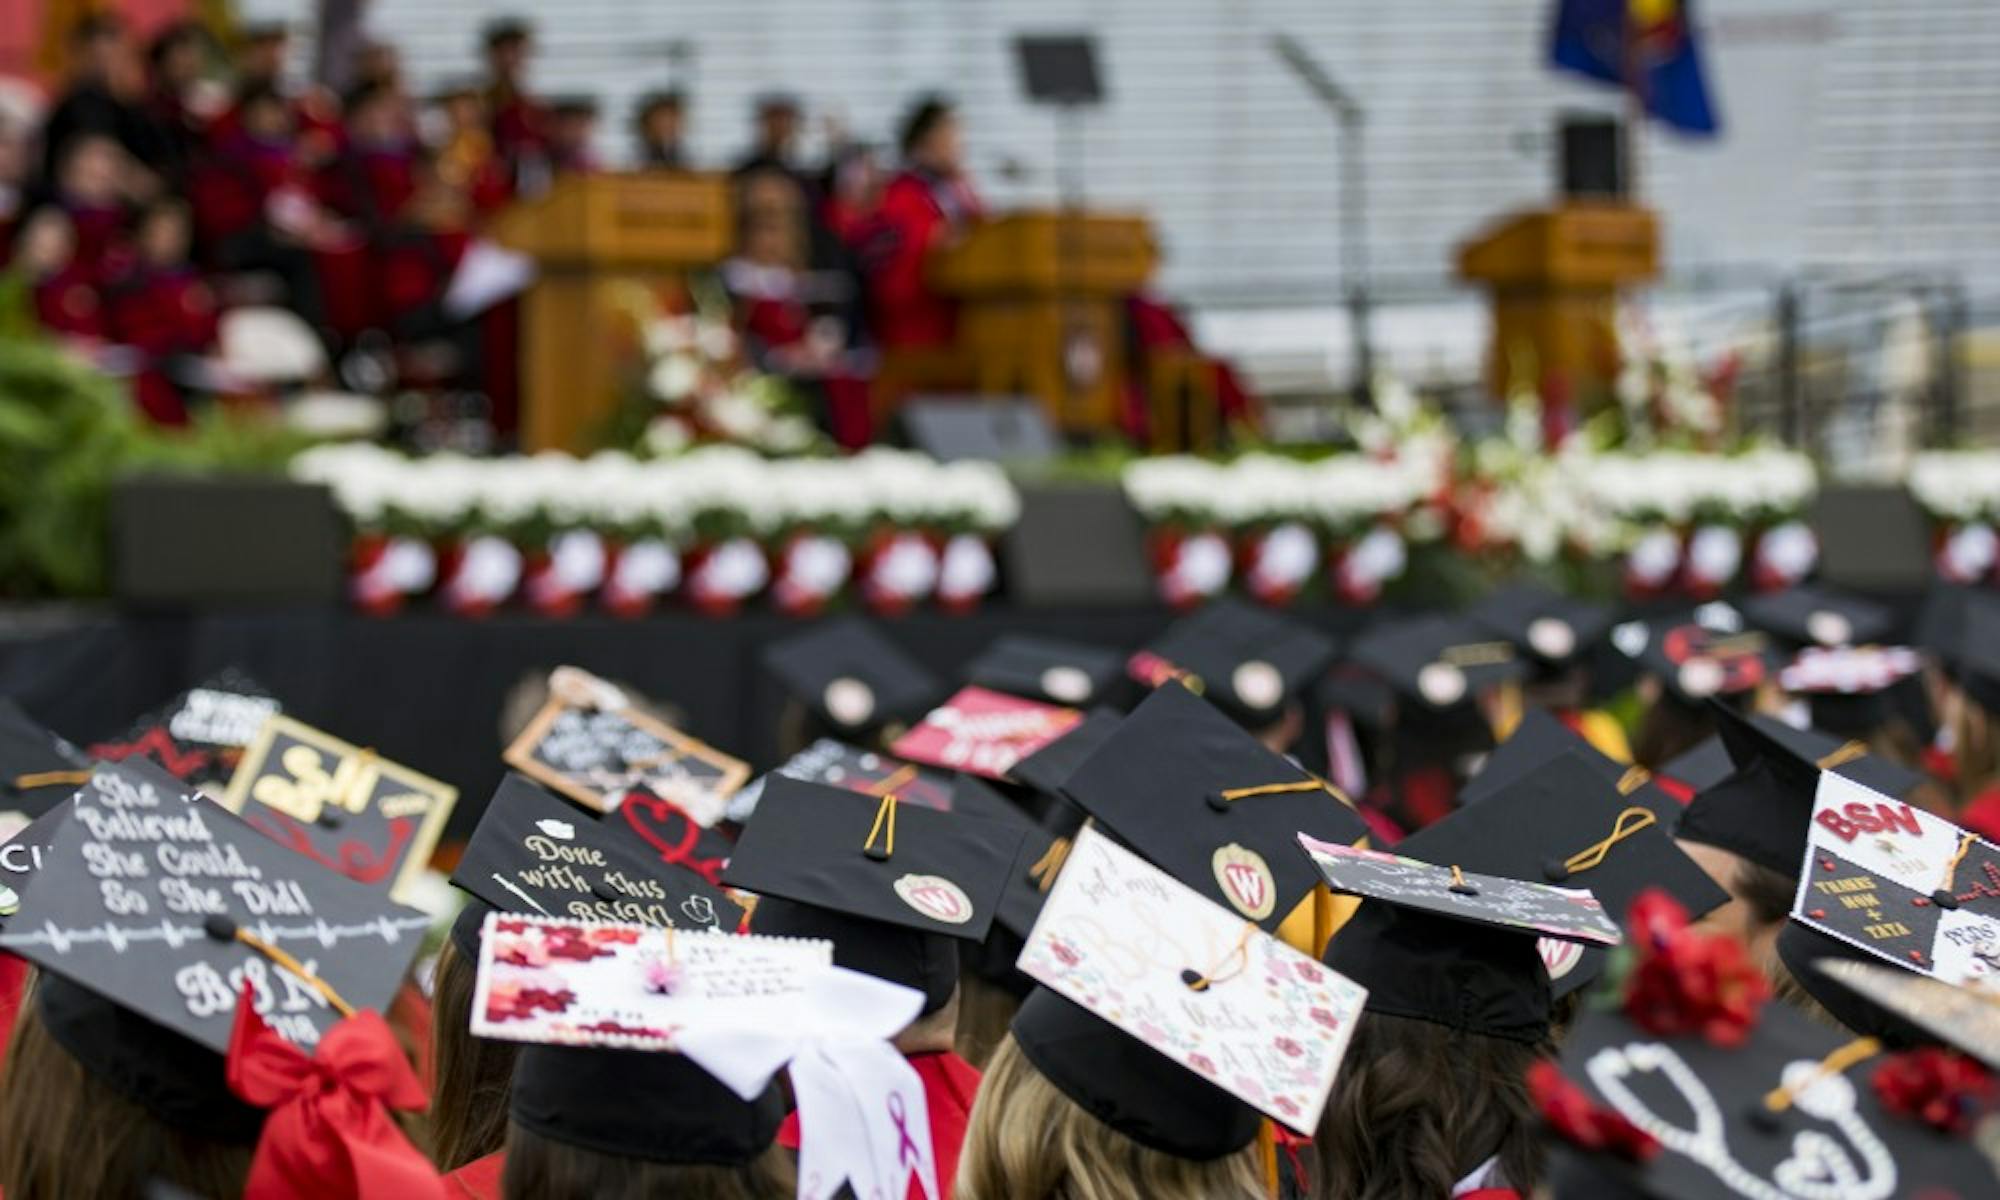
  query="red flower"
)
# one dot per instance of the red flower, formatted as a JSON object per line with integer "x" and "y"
{"x": 1689, "y": 982}
{"x": 1582, "y": 1122}
{"x": 1946, "y": 1091}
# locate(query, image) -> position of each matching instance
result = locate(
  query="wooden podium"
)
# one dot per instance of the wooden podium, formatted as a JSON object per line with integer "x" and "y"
{"x": 1040, "y": 293}
{"x": 594, "y": 236}
{"x": 1554, "y": 278}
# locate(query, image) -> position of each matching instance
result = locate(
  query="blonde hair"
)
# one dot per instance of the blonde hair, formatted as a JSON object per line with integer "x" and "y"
{"x": 1028, "y": 1141}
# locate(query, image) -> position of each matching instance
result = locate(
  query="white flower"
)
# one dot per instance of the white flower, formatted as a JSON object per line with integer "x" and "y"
{"x": 674, "y": 378}
{"x": 667, "y": 435}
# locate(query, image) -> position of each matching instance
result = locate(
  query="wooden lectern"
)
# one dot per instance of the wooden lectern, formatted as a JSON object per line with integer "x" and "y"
{"x": 1554, "y": 278}
{"x": 593, "y": 236}
{"x": 1040, "y": 295}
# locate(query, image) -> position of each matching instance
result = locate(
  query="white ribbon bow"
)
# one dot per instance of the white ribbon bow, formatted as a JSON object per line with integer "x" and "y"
{"x": 862, "y": 1117}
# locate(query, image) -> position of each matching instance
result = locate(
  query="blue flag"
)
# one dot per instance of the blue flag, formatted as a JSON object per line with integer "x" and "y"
{"x": 1648, "y": 45}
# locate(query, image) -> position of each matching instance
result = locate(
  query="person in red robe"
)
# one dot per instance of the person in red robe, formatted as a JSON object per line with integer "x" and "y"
{"x": 89, "y": 188}
{"x": 929, "y": 204}
{"x": 519, "y": 121}
{"x": 256, "y": 203}
{"x": 158, "y": 304}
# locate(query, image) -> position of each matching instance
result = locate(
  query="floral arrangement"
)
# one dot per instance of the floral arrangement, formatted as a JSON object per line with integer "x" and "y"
{"x": 718, "y": 525}
{"x": 1960, "y": 489}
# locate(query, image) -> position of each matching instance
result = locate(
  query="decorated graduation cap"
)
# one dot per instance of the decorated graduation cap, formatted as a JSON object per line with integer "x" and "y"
{"x": 893, "y": 887}
{"x": 1924, "y": 1011}
{"x": 1551, "y": 628}
{"x": 167, "y": 904}
{"x": 1855, "y": 690}
{"x": 1174, "y": 1046}
{"x": 1049, "y": 669}
{"x": 1698, "y": 655}
{"x": 1198, "y": 795}
{"x": 851, "y": 676}
{"x": 1248, "y": 661}
{"x": 1453, "y": 947}
{"x": 199, "y": 735}
{"x": 1570, "y": 823}
{"x": 1441, "y": 662}
{"x": 38, "y": 769}
{"x": 1809, "y": 615}
{"x": 983, "y": 732}
{"x": 535, "y": 853}
{"x": 1710, "y": 1091}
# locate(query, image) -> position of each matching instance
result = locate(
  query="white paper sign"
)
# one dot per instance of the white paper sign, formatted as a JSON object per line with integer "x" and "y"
{"x": 1194, "y": 981}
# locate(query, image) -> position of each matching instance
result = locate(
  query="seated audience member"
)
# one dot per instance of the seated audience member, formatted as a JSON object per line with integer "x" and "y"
{"x": 930, "y": 203}
{"x": 177, "y": 66}
{"x": 375, "y": 176}
{"x": 255, "y": 206}
{"x": 160, "y": 305}
{"x": 89, "y": 189}
{"x": 262, "y": 50}
{"x": 660, "y": 127}
{"x": 572, "y": 132}
{"x": 853, "y": 195}
{"x": 41, "y": 291}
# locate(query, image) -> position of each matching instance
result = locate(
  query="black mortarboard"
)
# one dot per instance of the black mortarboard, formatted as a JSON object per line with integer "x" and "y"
{"x": 160, "y": 900}
{"x": 1206, "y": 802}
{"x": 1047, "y": 769}
{"x": 1977, "y": 657}
{"x": 851, "y": 676}
{"x": 1924, "y": 1010}
{"x": 466, "y": 925}
{"x": 1809, "y": 615}
{"x": 1671, "y": 1086}
{"x": 38, "y": 769}
{"x": 1567, "y": 823}
{"x": 1248, "y": 661}
{"x": 1436, "y": 943}
{"x": 1539, "y": 738}
{"x": 1359, "y": 692}
{"x": 892, "y": 886}
{"x": 1440, "y": 662}
{"x": 1704, "y": 766}
{"x": 1848, "y": 759}
{"x": 534, "y": 852}
{"x": 1044, "y": 846}
{"x": 1127, "y": 1084}
{"x": 1762, "y": 808}
{"x": 1048, "y": 669}
{"x": 1700, "y": 654}
{"x": 643, "y": 1104}
{"x": 198, "y": 735}
{"x": 1551, "y": 628}
{"x": 853, "y": 769}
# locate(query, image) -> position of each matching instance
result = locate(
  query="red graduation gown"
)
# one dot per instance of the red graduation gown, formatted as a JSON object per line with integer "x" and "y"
{"x": 949, "y": 1086}
{"x": 478, "y": 1179}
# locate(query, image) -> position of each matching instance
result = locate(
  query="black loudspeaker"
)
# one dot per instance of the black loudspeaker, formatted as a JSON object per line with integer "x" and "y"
{"x": 1059, "y": 69}
{"x": 1076, "y": 544}
{"x": 1000, "y": 429}
{"x": 195, "y": 540}
{"x": 1593, "y": 163}
{"x": 1872, "y": 538}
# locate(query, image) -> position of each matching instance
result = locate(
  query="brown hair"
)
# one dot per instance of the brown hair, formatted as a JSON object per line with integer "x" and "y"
{"x": 1028, "y": 1141}
{"x": 65, "y": 1133}
{"x": 544, "y": 1169}
{"x": 1668, "y": 729}
{"x": 471, "y": 1075}
{"x": 1419, "y": 1106}
{"x": 1768, "y": 895}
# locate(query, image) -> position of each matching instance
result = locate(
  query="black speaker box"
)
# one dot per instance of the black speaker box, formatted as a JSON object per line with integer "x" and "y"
{"x": 1593, "y": 162}
{"x": 1872, "y": 538}
{"x": 202, "y": 540}
{"x": 1076, "y": 544}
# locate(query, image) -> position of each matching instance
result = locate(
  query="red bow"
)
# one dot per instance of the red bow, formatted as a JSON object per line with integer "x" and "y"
{"x": 329, "y": 1133}
{"x": 1687, "y": 982}
{"x": 1946, "y": 1091}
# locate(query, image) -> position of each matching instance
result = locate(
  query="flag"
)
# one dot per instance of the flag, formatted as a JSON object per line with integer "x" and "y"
{"x": 1648, "y": 45}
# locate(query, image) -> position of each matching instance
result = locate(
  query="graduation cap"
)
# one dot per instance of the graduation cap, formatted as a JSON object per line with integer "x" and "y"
{"x": 1701, "y": 767}
{"x": 1568, "y": 823}
{"x": 1698, "y": 655}
{"x": 1786, "y": 1113}
{"x": 1354, "y": 689}
{"x": 641, "y": 1104}
{"x": 1924, "y": 1011}
{"x": 1552, "y": 628}
{"x": 1048, "y": 669}
{"x": 27, "y": 849}
{"x": 851, "y": 676}
{"x": 1540, "y": 737}
{"x": 1045, "y": 771}
{"x": 1437, "y": 943}
{"x": 38, "y": 769}
{"x": 1044, "y": 847}
{"x": 1856, "y": 690}
{"x": 1441, "y": 662}
{"x": 1198, "y": 795}
{"x": 1762, "y": 808}
{"x": 983, "y": 732}
{"x": 893, "y": 886}
{"x": 854, "y": 769}
{"x": 200, "y": 734}
{"x": 1845, "y": 757}
{"x": 1248, "y": 661}
{"x": 1976, "y": 657}
{"x": 166, "y": 904}
{"x": 532, "y": 852}
{"x": 1809, "y": 615}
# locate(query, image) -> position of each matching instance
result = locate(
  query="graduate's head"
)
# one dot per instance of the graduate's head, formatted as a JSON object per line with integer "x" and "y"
{"x": 162, "y": 232}
{"x": 178, "y": 55}
{"x": 97, "y": 44}
{"x": 261, "y": 53}
{"x": 588, "y": 1123}
{"x": 930, "y": 135}
{"x": 573, "y": 123}
{"x": 376, "y": 113}
{"x": 662, "y": 118}
{"x": 471, "y": 1075}
{"x": 92, "y": 170}
{"x": 264, "y": 113}
{"x": 100, "y": 1101}
{"x": 508, "y": 42}
{"x": 1071, "y": 1106}
{"x": 46, "y": 243}
{"x": 778, "y": 116}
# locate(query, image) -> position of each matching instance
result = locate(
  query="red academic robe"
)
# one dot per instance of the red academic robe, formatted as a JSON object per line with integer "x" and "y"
{"x": 478, "y": 1179}
{"x": 949, "y": 1086}
{"x": 67, "y": 304}
{"x": 918, "y": 212}
{"x": 13, "y": 984}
